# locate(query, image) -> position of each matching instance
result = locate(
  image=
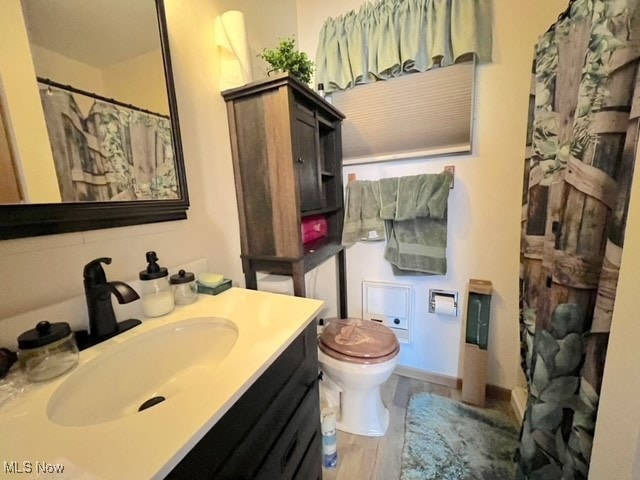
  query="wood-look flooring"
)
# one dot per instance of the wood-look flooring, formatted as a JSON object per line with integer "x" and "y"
{"x": 379, "y": 458}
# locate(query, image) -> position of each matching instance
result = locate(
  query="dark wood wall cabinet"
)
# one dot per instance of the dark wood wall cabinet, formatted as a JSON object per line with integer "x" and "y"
{"x": 273, "y": 431}
{"x": 287, "y": 159}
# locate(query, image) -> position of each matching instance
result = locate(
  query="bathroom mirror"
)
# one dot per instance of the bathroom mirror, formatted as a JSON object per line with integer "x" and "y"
{"x": 89, "y": 117}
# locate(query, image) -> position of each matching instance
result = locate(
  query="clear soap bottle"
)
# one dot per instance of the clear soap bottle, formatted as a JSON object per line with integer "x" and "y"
{"x": 157, "y": 297}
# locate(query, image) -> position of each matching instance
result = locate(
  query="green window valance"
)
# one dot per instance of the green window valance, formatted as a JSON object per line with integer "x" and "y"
{"x": 393, "y": 37}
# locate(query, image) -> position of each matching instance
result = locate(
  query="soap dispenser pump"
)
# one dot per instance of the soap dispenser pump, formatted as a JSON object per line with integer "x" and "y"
{"x": 157, "y": 297}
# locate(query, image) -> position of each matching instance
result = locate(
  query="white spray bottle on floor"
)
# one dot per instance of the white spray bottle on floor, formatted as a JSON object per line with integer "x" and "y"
{"x": 329, "y": 438}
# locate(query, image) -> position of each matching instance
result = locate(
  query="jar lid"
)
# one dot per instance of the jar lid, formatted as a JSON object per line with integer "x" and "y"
{"x": 44, "y": 334}
{"x": 182, "y": 277}
{"x": 153, "y": 270}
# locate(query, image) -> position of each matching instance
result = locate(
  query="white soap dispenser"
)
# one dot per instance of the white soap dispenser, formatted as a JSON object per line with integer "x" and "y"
{"x": 157, "y": 297}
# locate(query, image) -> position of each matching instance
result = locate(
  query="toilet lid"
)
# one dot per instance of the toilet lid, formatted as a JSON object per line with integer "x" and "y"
{"x": 361, "y": 339}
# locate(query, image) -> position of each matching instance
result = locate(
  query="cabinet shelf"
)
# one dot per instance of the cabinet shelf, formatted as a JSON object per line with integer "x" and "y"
{"x": 321, "y": 211}
{"x": 314, "y": 253}
{"x": 320, "y": 250}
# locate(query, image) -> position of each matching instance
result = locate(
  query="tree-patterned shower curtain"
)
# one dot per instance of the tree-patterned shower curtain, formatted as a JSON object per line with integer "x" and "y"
{"x": 581, "y": 149}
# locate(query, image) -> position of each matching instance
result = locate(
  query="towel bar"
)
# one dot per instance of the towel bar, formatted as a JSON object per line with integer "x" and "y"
{"x": 352, "y": 177}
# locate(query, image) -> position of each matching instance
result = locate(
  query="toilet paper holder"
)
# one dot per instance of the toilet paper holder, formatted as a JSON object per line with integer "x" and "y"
{"x": 435, "y": 292}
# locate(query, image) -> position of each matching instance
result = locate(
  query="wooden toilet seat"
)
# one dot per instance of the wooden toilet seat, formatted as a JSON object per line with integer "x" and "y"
{"x": 355, "y": 340}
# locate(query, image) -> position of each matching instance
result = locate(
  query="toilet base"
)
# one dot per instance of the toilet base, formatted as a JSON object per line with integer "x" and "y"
{"x": 363, "y": 413}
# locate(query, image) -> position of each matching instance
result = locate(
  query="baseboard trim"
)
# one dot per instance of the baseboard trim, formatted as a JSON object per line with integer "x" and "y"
{"x": 437, "y": 378}
{"x": 519, "y": 402}
{"x": 498, "y": 393}
{"x": 492, "y": 391}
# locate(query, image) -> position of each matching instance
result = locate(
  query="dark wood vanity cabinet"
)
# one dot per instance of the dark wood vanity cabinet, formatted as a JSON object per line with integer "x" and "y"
{"x": 273, "y": 431}
{"x": 287, "y": 160}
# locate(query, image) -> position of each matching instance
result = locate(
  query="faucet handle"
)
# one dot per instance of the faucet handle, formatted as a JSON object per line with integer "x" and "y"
{"x": 93, "y": 271}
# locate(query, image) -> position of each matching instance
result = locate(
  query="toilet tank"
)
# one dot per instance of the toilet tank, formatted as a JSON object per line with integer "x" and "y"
{"x": 270, "y": 282}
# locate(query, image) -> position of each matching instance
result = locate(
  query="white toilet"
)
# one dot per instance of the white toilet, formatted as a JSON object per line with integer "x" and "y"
{"x": 357, "y": 357}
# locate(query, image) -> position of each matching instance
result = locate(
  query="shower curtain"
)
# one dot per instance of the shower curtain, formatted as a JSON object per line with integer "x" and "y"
{"x": 581, "y": 148}
{"x": 114, "y": 153}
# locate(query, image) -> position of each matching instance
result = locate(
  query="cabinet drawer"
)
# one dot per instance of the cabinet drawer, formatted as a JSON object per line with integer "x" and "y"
{"x": 271, "y": 439}
{"x": 288, "y": 452}
{"x": 311, "y": 466}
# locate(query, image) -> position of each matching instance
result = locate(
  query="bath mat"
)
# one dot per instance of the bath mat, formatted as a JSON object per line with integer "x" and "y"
{"x": 448, "y": 440}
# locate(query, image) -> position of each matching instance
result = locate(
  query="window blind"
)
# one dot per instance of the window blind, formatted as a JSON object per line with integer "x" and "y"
{"x": 417, "y": 115}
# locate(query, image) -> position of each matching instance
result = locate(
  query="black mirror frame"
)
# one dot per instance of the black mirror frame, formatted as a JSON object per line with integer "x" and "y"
{"x": 19, "y": 221}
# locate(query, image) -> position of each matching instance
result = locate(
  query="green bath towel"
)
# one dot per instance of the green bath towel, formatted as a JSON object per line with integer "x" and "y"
{"x": 415, "y": 209}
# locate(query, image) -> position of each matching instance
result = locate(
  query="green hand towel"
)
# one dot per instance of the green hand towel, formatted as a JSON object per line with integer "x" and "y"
{"x": 362, "y": 213}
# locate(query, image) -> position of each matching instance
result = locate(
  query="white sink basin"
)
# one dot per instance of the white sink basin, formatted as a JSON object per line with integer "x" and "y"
{"x": 162, "y": 362}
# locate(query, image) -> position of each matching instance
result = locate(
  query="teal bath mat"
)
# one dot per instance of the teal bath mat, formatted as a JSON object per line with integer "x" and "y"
{"x": 448, "y": 440}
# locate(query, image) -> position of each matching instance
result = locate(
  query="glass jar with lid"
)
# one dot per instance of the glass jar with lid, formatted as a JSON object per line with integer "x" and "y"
{"x": 47, "y": 351}
{"x": 185, "y": 289}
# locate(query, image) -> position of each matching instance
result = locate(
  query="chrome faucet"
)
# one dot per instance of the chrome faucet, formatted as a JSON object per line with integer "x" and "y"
{"x": 102, "y": 319}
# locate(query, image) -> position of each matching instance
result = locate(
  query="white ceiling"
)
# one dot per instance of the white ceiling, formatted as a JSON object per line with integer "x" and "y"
{"x": 96, "y": 32}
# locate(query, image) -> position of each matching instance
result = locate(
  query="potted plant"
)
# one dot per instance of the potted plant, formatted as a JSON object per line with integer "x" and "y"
{"x": 286, "y": 58}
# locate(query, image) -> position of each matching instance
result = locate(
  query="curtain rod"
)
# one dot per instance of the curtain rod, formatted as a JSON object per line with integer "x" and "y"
{"x": 69, "y": 88}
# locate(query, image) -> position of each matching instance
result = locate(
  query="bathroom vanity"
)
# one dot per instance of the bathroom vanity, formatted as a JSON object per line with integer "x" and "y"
{"x": 273, "y": 431}
{"x": 247, "y": 408}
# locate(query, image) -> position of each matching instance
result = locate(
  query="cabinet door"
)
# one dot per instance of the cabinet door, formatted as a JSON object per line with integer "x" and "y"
{"x": 306, "y": 158}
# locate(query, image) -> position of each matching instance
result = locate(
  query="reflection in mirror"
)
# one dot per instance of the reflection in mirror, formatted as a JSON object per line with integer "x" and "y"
{"x": 9, "y": 184}
{"x": 104, "y": 102}
{"x": 90, "y": 116}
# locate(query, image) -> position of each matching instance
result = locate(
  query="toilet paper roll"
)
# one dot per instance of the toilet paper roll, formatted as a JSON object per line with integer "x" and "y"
{"x": 444, "y": 305}
{"x": 231, "y": 37}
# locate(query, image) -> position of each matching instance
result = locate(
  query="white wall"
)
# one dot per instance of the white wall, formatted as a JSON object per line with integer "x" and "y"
{"x": 616, "y": 448}
{"x": 266, "y": 23}
{"x": 61, "y": 69}
{"x": 484, "y": 207}
{"x": 138, "y": 81}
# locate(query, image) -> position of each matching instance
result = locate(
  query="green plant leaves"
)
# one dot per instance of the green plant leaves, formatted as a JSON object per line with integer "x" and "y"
{"x": 286, "y": 58}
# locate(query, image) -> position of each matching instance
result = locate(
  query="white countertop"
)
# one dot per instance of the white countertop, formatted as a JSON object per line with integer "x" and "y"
{"x": 150, "y": 444}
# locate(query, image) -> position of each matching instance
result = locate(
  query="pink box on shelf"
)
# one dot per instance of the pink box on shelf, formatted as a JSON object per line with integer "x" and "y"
{"x": 313, "y": 228}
